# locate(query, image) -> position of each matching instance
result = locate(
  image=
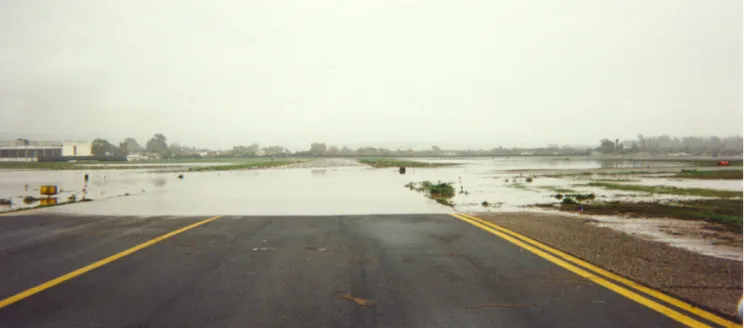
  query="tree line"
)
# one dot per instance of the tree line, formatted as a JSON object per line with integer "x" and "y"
{"x": 158, "y": 144}
{"x": 665, "y": 144}
{"x": 662, "y": 144}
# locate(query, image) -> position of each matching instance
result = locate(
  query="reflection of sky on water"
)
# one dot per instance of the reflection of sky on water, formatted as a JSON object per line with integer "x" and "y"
{"x": 325, "y": 190}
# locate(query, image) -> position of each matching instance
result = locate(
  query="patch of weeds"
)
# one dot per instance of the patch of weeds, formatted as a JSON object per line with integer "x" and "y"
{"x": 568, "y": 201}
{"x": 30, "y": 199}
{"x": 666, "y": 190}
{"x": 380, "y": 163}
{"x": 615, "y": 180}
{"x": 712, "y": 175}
{"x": 442, "y": 189}
{"x": 557, "y": 189}
{"x": 727, "y": 212}
{"x": 441, "y": 192}
{"x": 242, "y": 166}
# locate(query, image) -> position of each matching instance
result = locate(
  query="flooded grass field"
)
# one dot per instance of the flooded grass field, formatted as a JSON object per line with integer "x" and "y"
{"x": 347, "y": 187}
{"x": 344, "y": 186}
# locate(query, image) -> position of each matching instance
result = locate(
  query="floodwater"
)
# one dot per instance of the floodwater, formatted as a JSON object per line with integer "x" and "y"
{"x": 326, "y": 186}
{"x": 344, "y": 187}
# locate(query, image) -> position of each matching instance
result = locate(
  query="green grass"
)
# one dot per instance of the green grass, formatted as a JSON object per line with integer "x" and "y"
{"x": 615, "y": 180}
{"x": 71, "y": 166}
{"x": 38, "y": 166}
{"x": 235, "y": 160}
{"x": 557, "y": 189}
{"x": 666, "y": 190}
{"x": 242, "y": 166}
{"x": 712, "y": 175}
{"x": 724, "y": 211}
{"x": 380, "y": 163}
{"x": 441, "y": 192}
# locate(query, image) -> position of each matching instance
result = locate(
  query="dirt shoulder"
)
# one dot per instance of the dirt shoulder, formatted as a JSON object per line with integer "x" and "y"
{"x": 705, "y": 281}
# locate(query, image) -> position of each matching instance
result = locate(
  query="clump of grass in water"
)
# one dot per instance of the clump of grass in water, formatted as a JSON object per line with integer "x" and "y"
{"x": 442, "y": 189}
{"x": 557, "y": 189}
{"x": 380, "y": 163}
{"x": 666, "y": 190}
{"x": 441, "y": 192}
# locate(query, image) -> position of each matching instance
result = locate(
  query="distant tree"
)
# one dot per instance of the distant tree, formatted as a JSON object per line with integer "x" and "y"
{"x": 101, "y": 147}
{"x": 176, "y": 148}
{"x": 254, "y": 148}
{"x": 333, "y": 150}
{"x": 123, "y": 148}
{"x": 158, "y": 144}
{"x": 642, "y": 142}
{"x": 23, "y": 141}
{"x": 132, "y": 146}
{"x": 436, "y": 149}
{"x": 346, "y": 150}
{"x": 275, "y": 150}
{"x": 318, "y": 148}
{"x": 607, "y": 146}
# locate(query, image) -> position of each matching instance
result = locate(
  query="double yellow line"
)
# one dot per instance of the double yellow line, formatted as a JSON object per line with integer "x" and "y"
{"x": 603, "y": 277}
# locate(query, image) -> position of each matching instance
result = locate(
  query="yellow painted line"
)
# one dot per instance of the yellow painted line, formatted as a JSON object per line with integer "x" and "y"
{"x": 651, "y": 292}
{"x": 688, "y": 321}
{"x": 56, "y": 281}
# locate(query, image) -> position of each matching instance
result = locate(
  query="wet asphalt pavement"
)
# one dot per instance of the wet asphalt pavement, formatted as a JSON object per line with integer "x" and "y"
{"x": 311, "y": 271}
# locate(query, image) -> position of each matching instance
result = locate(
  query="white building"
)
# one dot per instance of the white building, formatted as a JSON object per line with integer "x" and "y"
{"x": 77, "y": 148}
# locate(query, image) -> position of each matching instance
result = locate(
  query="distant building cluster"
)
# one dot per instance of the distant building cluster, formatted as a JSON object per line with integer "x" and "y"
{"x": 23, "y": 150}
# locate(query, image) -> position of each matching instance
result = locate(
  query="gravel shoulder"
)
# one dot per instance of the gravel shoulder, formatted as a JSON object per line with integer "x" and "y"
{"x": 706, "y": 281}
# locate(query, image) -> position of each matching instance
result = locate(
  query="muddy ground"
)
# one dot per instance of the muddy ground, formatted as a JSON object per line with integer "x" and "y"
{"x": 707, "y": 281}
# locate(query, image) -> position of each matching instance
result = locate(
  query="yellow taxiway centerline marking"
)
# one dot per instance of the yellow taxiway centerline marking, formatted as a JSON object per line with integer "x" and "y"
{"x": 651, "y": 292}
{"x": 56, "y": 281}
{"x": 687, "y": 321}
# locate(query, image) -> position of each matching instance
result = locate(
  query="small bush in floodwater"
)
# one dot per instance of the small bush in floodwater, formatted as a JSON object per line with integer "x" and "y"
{"x": 485, "y": 204}
{"x": 426, "y": 185}
{"x": 442, "y": 189}
{"x": 583, "y": 197}
{"x": 29, "y": 199}
{"x": 568, "y": 201}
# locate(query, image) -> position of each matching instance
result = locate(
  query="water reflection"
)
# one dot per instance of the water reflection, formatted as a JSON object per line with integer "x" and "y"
{"x": 322, "y": 190}
{"x": 159, "y": 182}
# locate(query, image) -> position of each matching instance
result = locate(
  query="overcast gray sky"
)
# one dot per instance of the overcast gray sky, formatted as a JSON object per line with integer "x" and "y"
{"x": 392, "y": 73}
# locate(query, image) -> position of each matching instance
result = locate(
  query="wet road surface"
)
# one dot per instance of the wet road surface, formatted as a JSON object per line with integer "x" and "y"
{"x": 311, "y": 271}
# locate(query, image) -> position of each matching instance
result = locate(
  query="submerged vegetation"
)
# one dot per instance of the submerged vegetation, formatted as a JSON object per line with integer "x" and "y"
{"x": 441, "y": 192}
{"x": 712, "y": 175}
{"x": 557, "y": 189}
{"x": 242, "y": 166}
{"x": 380, "y": 163}
{"x": 725, "y": 211}
{"x": 666, "y": 190}
{"x": 574, "y": 198}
